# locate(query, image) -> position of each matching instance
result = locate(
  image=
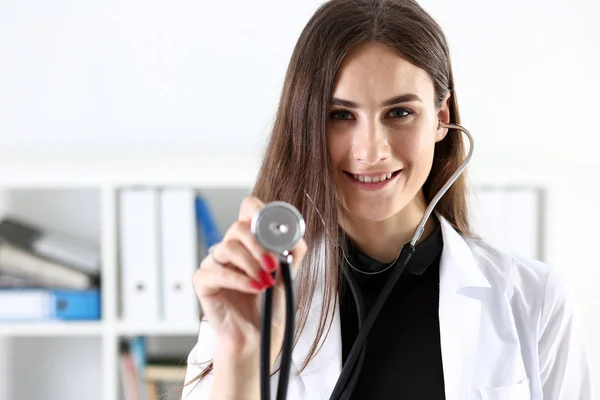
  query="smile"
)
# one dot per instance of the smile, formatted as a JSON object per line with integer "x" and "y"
{"x": 372, "y": 182}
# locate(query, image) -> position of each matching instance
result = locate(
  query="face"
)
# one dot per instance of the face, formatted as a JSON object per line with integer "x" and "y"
{"x": 382, "y": 128}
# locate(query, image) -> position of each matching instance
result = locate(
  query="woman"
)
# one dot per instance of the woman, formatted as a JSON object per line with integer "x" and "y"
{"x": 358, "y": 146}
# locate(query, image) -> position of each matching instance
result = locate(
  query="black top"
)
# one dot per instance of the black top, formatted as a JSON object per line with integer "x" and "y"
{"x": 403, "y": 357}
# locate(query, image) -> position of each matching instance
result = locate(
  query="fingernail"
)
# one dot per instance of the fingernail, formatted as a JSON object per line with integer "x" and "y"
{"x": 257, "y": 285}
{"x": 269, "y": 262}
{"x": 266, "y": 279}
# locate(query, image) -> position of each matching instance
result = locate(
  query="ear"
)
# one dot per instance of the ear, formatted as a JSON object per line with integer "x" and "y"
{"x": 443, "y": 116}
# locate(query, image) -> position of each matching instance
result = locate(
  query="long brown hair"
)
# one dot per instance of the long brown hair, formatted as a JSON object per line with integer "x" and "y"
{"x": 296, "y": 161}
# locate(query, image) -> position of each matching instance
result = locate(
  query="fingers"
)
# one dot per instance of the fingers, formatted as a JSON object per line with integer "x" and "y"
{"x": 234, "y": 250}
{"x": 250, "y": 206}
{"x": 210, "y": 280}
{"x": 242, "y": 263}
{"x": 298, "y": 253}
{"x": 240, "y": 230}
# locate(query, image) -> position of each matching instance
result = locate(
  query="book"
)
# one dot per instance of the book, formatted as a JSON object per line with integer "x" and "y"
{"x": 61, "y": 247}
{"x": 10, "y": 281}
{"x": 26, "y": 266}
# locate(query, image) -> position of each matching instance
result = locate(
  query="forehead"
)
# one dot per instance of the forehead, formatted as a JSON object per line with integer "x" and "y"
{"x": 375, "y": 72}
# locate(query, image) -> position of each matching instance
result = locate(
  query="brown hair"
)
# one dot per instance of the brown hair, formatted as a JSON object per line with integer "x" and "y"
{"x": 296, "y": 159}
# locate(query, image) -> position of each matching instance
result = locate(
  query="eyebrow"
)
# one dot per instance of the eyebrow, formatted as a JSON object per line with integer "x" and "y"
{"x": 403, "y": 98}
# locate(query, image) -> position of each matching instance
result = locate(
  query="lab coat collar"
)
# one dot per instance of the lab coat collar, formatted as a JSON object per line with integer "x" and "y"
{"x": 458, "y": 268}
{"x": 459, "y": 324}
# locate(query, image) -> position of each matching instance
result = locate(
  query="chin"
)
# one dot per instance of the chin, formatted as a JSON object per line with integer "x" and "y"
{"x": 374, "y": 213}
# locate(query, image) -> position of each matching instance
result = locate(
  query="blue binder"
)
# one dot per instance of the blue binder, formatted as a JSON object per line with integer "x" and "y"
{"x": 47, "y": 305}
{"x": 206, "y": 222}
{"x": 77, "y": 305}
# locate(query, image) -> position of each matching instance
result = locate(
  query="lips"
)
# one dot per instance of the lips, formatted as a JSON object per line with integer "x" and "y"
{"x": 370, "y": 182}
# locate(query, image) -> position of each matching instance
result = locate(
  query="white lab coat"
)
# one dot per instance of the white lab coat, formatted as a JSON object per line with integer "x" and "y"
{"x": 509, "y": 330}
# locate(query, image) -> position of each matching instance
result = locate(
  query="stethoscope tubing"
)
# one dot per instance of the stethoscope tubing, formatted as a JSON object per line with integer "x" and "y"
{"x": 356, "y": 356}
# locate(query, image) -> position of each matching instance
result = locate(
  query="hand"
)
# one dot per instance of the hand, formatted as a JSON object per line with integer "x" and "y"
{"x": 230, "y": 281}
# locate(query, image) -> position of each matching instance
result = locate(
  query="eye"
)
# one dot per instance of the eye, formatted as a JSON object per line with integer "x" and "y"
{"x": 398, "y": 113}
{"x": 341, "y": 115}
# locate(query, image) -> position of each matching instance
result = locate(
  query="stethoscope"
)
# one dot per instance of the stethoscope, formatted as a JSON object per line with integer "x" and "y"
{"x": 278, "y": 227}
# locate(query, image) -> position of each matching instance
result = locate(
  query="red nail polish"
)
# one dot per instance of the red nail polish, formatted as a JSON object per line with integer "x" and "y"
{"x": 266, "y": 279}
{"x": 257, "y": 285}
{"x": 269, "y": 262}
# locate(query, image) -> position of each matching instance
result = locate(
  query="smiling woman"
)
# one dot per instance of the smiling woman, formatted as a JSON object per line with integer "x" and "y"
{"x": 374, "y": 133}
{"x": 361, "y": 146}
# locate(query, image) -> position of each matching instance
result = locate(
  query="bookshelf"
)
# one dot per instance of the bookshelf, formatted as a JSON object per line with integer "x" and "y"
{"x": 79, "y": 194}
{"x": 79, "y": 191}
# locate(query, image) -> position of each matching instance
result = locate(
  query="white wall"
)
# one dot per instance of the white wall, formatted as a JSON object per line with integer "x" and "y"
{"x": 152, "y": 73}
{"x": 126, "y": 74}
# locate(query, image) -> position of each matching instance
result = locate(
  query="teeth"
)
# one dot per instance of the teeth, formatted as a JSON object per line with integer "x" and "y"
{"x": 373, "y": 179}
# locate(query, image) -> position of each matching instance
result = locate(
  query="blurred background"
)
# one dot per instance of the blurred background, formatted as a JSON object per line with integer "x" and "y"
{"x": 125, "y": 123}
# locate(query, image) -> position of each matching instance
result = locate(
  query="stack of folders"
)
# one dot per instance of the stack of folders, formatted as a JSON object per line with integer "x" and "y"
{"x": 163, "y": 232}
{"x": 146, "y": 377}
{"x": 47, "y": 275}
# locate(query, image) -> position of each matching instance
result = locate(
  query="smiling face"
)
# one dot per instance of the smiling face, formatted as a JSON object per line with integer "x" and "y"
{"x": 382, "y": 128}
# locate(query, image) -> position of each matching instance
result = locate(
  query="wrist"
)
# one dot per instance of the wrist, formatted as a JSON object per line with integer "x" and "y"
{"x": 232, "y": 355}
{"x": 240, "y": 348}
{"x": 236, "y": 374}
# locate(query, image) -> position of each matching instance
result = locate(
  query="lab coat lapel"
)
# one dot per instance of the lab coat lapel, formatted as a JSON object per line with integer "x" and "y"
{"x": 459, "y": 314}
{"x": 459, "y": 317}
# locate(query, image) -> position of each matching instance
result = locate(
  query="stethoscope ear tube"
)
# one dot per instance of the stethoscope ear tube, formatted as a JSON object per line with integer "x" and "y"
{"x": 339, "y": 391}
{"x": 347, "y": 380}
{"x": 278, "y": 227}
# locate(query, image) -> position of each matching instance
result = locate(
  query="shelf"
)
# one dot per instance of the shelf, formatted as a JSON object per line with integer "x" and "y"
{"x": 51, "y": 329}
{"x": 95, "y": 328}
{"x": 134, "y": 329}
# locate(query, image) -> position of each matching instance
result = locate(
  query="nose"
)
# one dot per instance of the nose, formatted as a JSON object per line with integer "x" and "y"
{"x": 370, "y": 144}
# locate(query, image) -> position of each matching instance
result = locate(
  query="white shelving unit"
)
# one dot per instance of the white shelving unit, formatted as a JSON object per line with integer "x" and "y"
{"x": 84, "y": 355}
{"x": 51, "y": 189}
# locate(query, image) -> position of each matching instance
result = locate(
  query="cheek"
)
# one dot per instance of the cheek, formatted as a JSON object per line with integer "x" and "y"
{"x": 414, "y": 148}
{"x": 337, "y": 147}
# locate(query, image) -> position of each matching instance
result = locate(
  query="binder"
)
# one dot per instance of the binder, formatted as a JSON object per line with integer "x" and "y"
{"x": 46, "y": 304}
{"x": 139, "y": 255}
{"x": 207, "y": 223}
{"x": 179, "y": 255}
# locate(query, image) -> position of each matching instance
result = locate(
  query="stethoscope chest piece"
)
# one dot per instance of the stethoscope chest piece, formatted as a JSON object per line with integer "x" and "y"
{"x": 278, "y": 227}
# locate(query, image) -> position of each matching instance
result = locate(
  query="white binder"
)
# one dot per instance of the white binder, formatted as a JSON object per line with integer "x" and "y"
{"x": 139, "y": 255}
{"x": 179, "y": 255}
